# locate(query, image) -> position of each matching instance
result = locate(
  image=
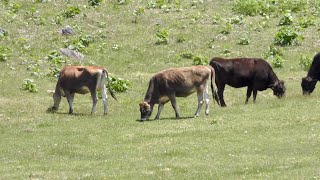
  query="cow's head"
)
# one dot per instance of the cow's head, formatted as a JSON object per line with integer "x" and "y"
{"x": 308, "y": 84}
{"x": 278, "y": 88}
{"x": 145, "y": 110}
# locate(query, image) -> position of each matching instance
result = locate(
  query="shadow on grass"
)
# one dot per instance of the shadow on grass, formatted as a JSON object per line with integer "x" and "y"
{"x": 175, "y": 119}
{"x": 53, "y": 111}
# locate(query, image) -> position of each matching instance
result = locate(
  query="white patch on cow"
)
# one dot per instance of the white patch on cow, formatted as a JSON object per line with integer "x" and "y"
{"x": 164, "y": 99}
{"x": 84, "y": 89}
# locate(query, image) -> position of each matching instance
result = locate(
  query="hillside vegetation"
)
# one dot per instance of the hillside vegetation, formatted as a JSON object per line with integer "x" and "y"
{"x": 271, "y": 139}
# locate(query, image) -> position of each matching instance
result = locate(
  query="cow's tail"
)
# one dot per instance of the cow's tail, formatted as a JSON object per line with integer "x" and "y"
{"x": 110, "y": 89}
{"x": 214, "y": 93}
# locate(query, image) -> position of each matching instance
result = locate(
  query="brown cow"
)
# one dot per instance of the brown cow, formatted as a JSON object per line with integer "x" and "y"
{"x": 81, "y": 80}
{"x": 254, "y": 73}
{"x": 178, "y": 82}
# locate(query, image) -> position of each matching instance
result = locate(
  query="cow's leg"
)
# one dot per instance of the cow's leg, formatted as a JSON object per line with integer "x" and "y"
{"x": 249, "y": 92}
{"x": 255, "y": 92}
{"x": 70, "y": 97}
{"x": 104, "y": 98}
{"x": 160, "y": 107}
{"x": 174, "y": 105}
{"x": 94, "y": 100}
{"x": 207, "y": 100}
{"x": 57, "y": 100}
{"x": 220, "y": 94}
{"x": 200, "y": 102}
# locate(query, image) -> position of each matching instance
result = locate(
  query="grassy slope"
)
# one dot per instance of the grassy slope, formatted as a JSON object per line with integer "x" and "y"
{"x": 270, "y": 139}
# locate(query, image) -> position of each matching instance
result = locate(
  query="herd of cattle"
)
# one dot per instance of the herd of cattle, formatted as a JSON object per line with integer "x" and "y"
{"x": 253, "y": 73}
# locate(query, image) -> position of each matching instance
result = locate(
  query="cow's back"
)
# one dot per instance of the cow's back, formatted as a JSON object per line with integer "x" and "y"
{"x": 314, "y": 71}
{"x": 77, "y": 77}
{"x": 182, "y": 81}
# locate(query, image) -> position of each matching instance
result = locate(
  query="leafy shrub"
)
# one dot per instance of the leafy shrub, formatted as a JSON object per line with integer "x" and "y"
{"x": 277, "y": 61}
{"x": 287, "y": 36}
{"x": 137, "y": 13}
{"x": 305, "y": 62}
{"x": 29, "y": 86}
{"x": 272, "y": 52}
{"x": 162, "y": 36}
{"x": 3, "y": 33}
{"x": 226, "y": 52}
{"x": 80, "y": 43}
{"x": 306, "y": 22}
{"x": 71, "y": 12}
{"x": 215, "y": 19}
{"x": 226, "y": 29}
{"x": 244, "y": 40}
{"x": 3, "y": 57}
{"x": 14, "y": 7}
{"x": 94, "y": 3}
{"x": 3, "y": 54}
{"x": 115, "y": 47}
{"x": 186, "y": 55}
{"x": 181, "y": 39}
{"x": 199, "y": 60}
{"x": 236, "y": 20}
{"x": 287, "y": 19}
{"x": 118, "y": 84}
{"x": 56, "y": 60}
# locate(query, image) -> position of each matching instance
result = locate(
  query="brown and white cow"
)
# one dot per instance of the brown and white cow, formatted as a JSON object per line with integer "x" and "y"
{"x": 166, "y": 85}
{"x": 81, "y": 80}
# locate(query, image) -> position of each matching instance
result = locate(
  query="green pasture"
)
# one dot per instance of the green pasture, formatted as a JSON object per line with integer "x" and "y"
{"x": 134, "y": 39}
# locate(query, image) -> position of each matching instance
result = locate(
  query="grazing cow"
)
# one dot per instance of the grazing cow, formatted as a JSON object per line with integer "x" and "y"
{"x": 254, "y": 73}
{"x": 81, "y": 80}
{"x": 178, "y": 82}
{"x": 309, "y": 82}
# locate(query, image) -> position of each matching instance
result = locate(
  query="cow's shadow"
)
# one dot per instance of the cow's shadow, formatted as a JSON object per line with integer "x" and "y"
{"x": 167, "y": 119}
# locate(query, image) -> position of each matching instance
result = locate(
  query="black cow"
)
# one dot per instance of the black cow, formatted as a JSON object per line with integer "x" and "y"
{"x": 309, "y": 82}
{"x": 254, "y": 73}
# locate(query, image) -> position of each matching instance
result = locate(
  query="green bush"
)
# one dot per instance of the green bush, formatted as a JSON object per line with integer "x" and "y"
{"x": 79, "y": 44}
{"x": 186, "y": 55}
{"x": 277, "y": 61}
{"x": 236, "y": 20}
{"x": 162, "y": 36}
{"x": 3, "y": 57}
{"x": 305, "y": 62}
{"x": 306, "y": 22}
{"x": 272, "y": 52}
{"x": 287, "y": 19}
{"x": 29, "y": 86}
{"x": 118, "y": 84}
{"x": 71, "y": 12}
{"x": 226, "y": 29}
{"x": 199, "y": 60}
{"x": 287, "y": 36}
{"x": 94, "y": 3}
{"x": 244, "y": 40}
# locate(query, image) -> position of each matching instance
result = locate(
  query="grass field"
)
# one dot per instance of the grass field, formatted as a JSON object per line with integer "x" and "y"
{"x": 271, "y": 139}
